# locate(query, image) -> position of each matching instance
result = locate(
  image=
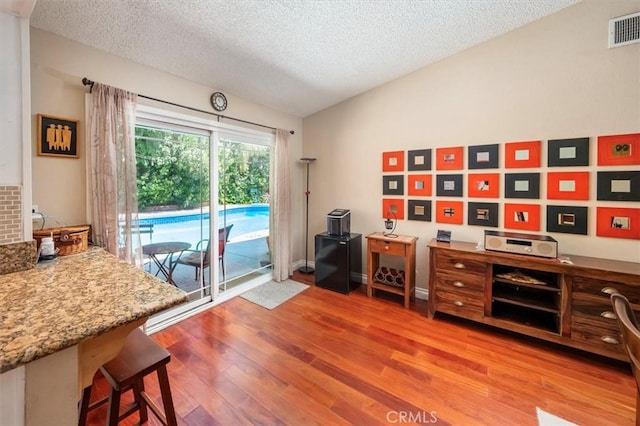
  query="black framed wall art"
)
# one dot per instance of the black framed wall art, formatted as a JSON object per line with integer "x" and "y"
{"x": 568, "y": 152}
{"x": 482, "y": 214}
{"x": 449, "y": 185}
{"x": 567, "y": 219}
{"x": 419, "y": 159}
{"x": 484, "y": 156}
{"x": 419, "y": 210}
{"x": 393, "y": 185}
{"x": 619, "y": 186}
{"x": 57, "y": 137}
{"x": 522, "y": 185}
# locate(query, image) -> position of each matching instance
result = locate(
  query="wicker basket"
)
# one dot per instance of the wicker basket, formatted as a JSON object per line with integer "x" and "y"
{"x": 68, "y": 240}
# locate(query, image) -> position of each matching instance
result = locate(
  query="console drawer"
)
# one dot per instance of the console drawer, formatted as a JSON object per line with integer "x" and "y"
{"x": 391, "y": 248}
{"x": 596, "y": 308}
{"x": 450, "y": 262}
{"x": 455, "y": 281}
{"x": 459, "y": 305}
{"x": 596, "y": 333}
{"x": 604, "y": 289}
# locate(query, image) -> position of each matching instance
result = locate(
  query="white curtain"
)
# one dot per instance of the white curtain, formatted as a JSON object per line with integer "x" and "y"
{"x": 112, "y": 171}
{"x": 279, "y": 233}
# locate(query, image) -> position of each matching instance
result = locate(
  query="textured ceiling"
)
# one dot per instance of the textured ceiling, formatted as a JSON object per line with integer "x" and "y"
{"x": 296, "y": 56}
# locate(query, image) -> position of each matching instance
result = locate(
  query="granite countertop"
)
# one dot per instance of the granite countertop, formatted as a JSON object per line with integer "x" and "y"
{"x": 57, "y": 305}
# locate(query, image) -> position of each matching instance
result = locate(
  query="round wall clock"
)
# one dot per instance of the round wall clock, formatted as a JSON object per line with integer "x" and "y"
{"x": 219, "y": 101}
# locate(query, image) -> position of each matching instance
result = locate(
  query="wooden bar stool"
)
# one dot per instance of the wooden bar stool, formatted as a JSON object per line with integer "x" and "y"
{"x": 139, "y": 357}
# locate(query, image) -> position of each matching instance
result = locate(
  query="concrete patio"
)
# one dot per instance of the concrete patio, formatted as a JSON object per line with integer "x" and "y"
{"x": 242, "y": 257}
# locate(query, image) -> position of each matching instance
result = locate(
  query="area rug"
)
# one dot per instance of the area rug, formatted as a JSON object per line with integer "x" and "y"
{"x": 272, "y": 294}
{"x": 547, "y": 419}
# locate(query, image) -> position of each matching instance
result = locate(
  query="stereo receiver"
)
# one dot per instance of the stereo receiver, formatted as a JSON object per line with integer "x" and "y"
{"x": 513, "y": 242}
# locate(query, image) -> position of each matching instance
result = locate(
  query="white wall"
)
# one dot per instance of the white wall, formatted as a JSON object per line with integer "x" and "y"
{"x": 552, "y": 79}
{"x": 58, "y": 66}
{"x": 10, "y": 100}
{"x": 14, "y": 166}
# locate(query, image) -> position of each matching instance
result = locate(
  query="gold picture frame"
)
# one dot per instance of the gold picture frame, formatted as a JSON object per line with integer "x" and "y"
{"x": 58, "y": 137}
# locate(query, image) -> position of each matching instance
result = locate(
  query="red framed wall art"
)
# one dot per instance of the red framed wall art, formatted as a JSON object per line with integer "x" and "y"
{"x": 618, "y": 222}
{"x": 393, "y": 208}
{"x": 449, "y": 212}
{"x": 393, "y": 161}
{"x": 522, "y": 154}
{"x": 619, "y": 150}
{"x": 483, "y": 185}
{"x": 522, "y": 216}
{"x": 568, "y": 185}
{"x": 449, "y": 158}
{"x": 420, "y": 185}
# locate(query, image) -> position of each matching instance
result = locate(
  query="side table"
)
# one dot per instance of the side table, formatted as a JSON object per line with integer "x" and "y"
{"x": 401, "y": 246}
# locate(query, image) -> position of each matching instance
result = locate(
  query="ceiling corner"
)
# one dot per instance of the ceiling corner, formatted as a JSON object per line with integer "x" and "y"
{"x": 21, "y": 8}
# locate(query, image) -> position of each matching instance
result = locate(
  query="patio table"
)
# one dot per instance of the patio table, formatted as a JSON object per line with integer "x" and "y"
{"x": 169, "y": 248}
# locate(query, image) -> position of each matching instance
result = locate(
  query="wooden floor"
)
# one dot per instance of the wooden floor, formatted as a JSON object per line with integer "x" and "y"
{"x": 325, "y": 358}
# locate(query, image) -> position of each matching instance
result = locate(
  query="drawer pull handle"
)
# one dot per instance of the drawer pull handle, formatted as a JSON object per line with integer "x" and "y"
{"x": 609, "y": 339}
{"x": 609, "y": 290}
{"x": 458, "y": 303}
{"x": 608, "y": 314}
{"x": 459, "y": 265}
{"x": 458, "y": 284}
{"x": 386, "y": 247}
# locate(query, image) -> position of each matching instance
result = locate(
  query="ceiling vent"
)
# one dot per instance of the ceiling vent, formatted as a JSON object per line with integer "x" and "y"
{"x": 624, "y": 30}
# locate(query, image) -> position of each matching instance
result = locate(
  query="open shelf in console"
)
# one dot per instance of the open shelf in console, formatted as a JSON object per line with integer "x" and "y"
{"x": 542, "y": 280}
{"x": 535, "y": 318}
{"x": 529, "y": 297}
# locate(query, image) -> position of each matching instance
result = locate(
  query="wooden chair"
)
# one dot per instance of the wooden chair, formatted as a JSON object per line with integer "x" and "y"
{"x": 201, "y": 258}
{"x": 139, "y": 357}
{"x": 630, "y": 339}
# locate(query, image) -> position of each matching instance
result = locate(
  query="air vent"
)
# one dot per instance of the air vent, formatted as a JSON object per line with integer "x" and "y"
{"x": 624, "y": 30}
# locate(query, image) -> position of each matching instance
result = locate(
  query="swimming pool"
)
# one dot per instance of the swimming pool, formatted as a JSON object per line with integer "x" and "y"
{"x": 185, "y": 226}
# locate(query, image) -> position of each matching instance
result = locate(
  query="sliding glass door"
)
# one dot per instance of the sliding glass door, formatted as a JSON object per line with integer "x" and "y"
{"x": 203, "y": 191}
{"x": 243, "y": 201}
{"x": 173, "y": 197}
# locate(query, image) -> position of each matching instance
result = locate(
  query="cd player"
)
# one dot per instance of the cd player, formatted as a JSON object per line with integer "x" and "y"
{"x": 513, "y": 242}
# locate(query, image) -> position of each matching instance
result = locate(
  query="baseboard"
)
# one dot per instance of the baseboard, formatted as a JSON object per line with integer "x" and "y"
{"x": 421, "y": 293}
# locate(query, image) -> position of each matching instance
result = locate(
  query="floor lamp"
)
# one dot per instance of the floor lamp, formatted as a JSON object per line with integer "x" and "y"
{"x": 306, "y": 269}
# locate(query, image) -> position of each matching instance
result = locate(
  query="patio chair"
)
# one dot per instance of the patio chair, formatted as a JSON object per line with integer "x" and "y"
{"x": 194, "y": 259}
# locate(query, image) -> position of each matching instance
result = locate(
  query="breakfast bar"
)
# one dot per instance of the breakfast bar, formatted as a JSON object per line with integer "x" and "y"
{"x": 63, "y": 319}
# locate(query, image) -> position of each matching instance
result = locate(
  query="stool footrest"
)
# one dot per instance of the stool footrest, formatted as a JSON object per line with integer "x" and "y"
{"x": 156, "y": 410}
{"x": 98, "y": 403}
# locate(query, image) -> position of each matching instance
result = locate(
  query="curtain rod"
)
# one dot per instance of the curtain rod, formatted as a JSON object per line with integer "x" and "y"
{"x": 90, "y": 83}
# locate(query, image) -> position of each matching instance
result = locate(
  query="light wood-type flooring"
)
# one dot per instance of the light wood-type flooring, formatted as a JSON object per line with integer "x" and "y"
{"x": 323, "y": 358}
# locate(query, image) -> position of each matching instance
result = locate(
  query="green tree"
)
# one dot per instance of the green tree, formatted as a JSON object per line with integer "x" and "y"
{"x": 244, "y": 173}
{"x": 172, "y": 168}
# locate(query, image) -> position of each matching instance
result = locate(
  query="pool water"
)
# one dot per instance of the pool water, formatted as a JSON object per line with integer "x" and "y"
{"x": 248, "y": 222}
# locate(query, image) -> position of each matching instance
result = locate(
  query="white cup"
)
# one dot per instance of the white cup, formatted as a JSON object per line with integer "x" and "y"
{"x": 47, "y": 247}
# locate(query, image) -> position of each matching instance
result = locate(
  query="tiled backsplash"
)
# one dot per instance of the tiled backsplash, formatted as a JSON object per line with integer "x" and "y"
{"x": 10, "y": 214}
{"x": 15, "y": 253}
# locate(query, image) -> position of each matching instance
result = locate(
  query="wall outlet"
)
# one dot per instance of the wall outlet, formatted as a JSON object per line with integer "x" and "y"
{"x": 34, "y": 208}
